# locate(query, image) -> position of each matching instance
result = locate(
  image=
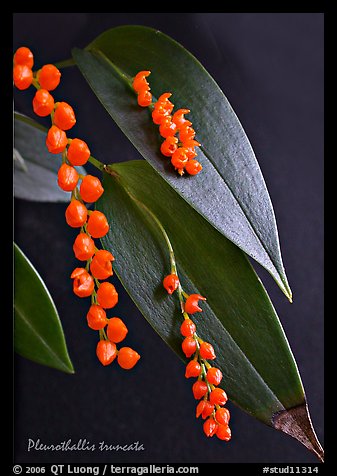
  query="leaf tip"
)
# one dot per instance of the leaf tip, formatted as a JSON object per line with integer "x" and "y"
{"x": 284, "y": 285}
{"x": 67, "y": 365}
{"x": 289, "y": 292}
{"x": 70, "y": 370}
{"x": 296, "y": 422}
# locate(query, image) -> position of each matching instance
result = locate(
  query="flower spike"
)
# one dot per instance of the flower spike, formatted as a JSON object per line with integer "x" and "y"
{"x": 92, "y": 224}
{"x": 182, "y": 151}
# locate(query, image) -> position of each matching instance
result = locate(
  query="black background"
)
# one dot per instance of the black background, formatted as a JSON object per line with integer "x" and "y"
{"x": 270, "y": 67}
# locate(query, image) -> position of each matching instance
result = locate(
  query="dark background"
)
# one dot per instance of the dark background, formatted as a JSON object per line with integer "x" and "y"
{"x": 270, "y": 67}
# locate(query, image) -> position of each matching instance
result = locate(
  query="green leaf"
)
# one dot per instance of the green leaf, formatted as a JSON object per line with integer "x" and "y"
{"x": 38, "y": 333}
{"x": 35, "y": 169}
{"x": 230, "y": 192}
{"x": 260, "y": 374}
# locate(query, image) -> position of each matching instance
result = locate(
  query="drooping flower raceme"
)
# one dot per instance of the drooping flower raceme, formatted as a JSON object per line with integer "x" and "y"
{"x": 205, "y": 388}
{"x": 91, "y": 224}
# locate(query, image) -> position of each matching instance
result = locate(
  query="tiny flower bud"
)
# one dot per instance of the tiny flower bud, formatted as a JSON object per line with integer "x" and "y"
{"x": 214, "y": 376}
{"x": 171, "y": 283}
{"x": 193, "y": 369}
{"x": 127, "y": 358}
{"x": 106, "y": 352}
{"x": 189, "y": 346}
{"x": 117, "y": 330}
{"x": 207, "y": 351}
{"x": 210, "y": 427}
{"x": 96, "y": 317}
{"x": 199, "y": 389}
{"x": 223, "y": 432}
{"x": 222, "y": 416}
{"x": 218, "y": 396}
{"x": 188, "y": 328}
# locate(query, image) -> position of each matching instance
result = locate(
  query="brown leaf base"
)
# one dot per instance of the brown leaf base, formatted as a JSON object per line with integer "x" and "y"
{"x": 296, "y": 422}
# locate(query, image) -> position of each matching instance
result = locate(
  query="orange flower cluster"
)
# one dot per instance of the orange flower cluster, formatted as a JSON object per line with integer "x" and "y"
{"x": 93, "y": 224}
{"x": 22, "y": 71}
{"x": 211, "y": 407}
{"x": 182, "y": 151}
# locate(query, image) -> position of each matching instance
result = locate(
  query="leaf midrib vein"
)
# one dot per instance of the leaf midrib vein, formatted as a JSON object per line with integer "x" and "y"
{"x": 143, "y": 211}
{"x": 39, "y": 337}
{"x": 124, "y": 77}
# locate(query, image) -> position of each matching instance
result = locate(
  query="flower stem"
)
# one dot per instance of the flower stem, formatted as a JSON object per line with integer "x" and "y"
{"x": 125, "y": 77}
{"x": 65, "y": 64}
{"x": 169, "y": 246}
{"x": 64, "y": 156}
{"x": 96, "y": 163}
{"x": 36, "y": 84}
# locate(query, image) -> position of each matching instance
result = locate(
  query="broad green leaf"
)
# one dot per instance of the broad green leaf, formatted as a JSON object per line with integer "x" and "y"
{"x": 38, "y": 333}
{"x": 35, "y": 169}
{"x": 230, "y": 192}
{"x": 260, "y": 374}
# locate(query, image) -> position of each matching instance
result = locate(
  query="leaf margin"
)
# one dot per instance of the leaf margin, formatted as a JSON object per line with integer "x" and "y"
{"x": 66, "y": 367}
{"x": 276, "y": 268}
